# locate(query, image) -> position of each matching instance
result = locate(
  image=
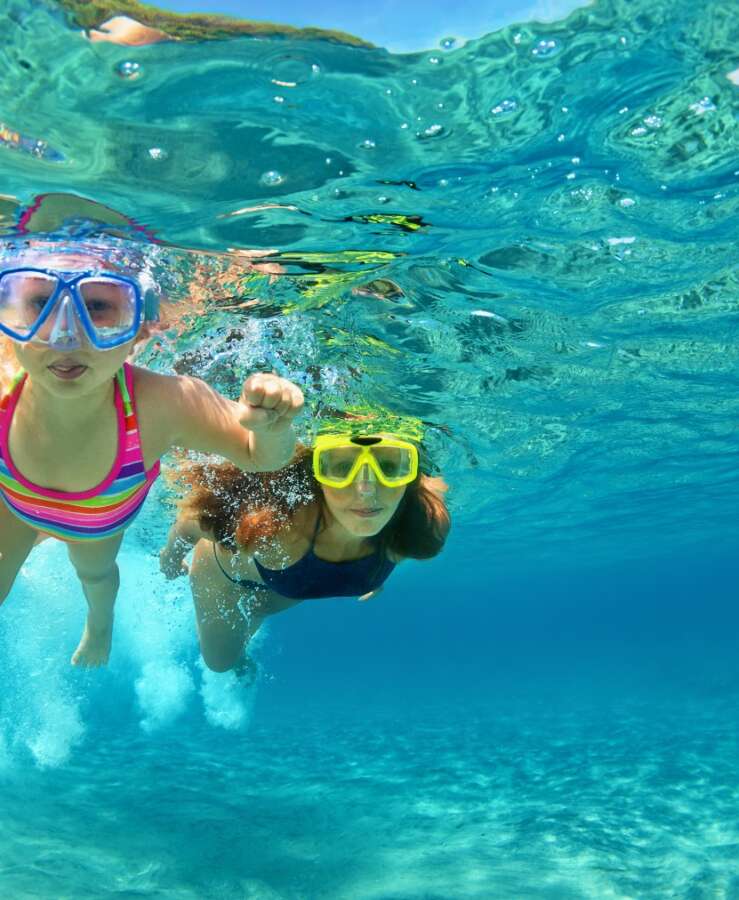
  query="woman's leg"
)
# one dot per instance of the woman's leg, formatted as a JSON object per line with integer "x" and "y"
{"x": 227, "y": 615}
{"x": 16, "y": 542}
{"x": 98, "y": 571}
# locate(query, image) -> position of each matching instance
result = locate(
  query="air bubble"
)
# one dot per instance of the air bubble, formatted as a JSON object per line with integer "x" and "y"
{"x": 545, "y": 48}
{"x": 447, "y": 43}
{"x": 431, "y": 132}
{"x": 158, "y": 153}
{"x": 271, "y": 179}
{"x": 704, "y": 105}
{"x": 505, "y": 106}
{"x": 291, "y": 69}
{"x": 434, "y": 60}
{"x": 129, "y": 70}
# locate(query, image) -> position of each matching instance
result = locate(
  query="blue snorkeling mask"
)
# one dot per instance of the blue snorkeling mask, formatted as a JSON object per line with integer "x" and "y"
{"x": 61, "y": 309}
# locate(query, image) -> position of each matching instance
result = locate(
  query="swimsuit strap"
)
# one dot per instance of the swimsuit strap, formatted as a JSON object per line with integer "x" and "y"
{"x": 125, "y": 394}
{"x": 17, "y": 378}
{"x": 241, "y": 582}
{"x": 220, "y": 565}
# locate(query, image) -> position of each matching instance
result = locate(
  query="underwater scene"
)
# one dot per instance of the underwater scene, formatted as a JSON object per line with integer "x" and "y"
{"x": 478, "y": 637}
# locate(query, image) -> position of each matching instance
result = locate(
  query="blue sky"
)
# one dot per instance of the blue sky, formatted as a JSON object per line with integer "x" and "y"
{"x": 399, "y": 25}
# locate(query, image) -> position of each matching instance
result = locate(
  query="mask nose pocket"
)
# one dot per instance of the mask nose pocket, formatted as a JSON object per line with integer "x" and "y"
{"x": 366, "y": 476}
{"x": 65, "y": 333}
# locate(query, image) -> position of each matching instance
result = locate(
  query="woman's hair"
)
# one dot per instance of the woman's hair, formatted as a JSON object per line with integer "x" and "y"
{"x": 241, "y": 509}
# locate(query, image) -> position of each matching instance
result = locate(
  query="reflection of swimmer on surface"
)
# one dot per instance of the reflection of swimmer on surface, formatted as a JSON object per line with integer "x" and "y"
{"x": 334, "y": 523}
{"x": 82, "y": 431}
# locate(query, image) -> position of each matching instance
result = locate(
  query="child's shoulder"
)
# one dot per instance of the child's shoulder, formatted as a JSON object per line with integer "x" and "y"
{"x": 156, "y": 399}
{"x": 157, "y": 390}
{"x": 146, "y": 381}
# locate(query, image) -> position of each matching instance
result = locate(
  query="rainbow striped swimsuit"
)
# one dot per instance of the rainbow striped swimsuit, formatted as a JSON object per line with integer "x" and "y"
{"x": 89, "y": 515}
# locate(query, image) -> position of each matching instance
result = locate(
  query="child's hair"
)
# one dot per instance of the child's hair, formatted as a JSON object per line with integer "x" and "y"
{"x": 240, "y": 509}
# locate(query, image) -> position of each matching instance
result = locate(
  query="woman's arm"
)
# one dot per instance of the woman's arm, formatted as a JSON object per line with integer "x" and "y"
{"x": 183, "y": 535}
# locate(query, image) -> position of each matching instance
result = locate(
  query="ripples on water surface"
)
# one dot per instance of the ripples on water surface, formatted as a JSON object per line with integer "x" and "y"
{"x": 548, "y": 214}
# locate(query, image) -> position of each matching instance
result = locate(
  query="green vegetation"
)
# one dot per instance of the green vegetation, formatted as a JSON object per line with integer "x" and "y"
{"x": 195, "y": 26}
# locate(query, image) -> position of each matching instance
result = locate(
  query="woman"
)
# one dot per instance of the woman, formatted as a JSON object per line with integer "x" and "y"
{"x": 334, "y": 523}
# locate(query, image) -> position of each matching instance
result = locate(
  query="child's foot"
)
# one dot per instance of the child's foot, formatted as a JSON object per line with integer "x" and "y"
{"x": 94, "y": 646}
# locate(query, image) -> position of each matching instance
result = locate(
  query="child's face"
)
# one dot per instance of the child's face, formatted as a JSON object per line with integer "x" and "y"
{"x": 77, "y": 372}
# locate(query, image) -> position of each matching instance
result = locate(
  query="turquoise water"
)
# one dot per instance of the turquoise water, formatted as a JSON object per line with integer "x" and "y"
{"x": 529, "y": 243}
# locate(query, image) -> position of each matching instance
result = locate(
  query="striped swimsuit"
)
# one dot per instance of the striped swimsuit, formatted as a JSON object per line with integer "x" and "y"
{"x": 88, "y": 515}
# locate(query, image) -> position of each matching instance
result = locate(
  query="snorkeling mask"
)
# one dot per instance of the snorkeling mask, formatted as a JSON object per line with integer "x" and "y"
{"x": 339, "y": 458}
{"x": 57, "y": 308}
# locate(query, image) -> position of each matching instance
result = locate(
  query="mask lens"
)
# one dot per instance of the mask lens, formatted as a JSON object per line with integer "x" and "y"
{"x": 23, "y": 296}
{"x": 110, "y": 306}
{"x": 335, "y": 465}
{"x": 394, "y": 462}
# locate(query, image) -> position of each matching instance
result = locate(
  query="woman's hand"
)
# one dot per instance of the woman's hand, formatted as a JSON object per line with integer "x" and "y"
{"x": 269, "y": 403}
{"x": 171, "y": 564}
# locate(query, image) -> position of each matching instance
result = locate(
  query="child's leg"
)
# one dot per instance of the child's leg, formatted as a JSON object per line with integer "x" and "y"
{"x": 16, "y": 541}
{"x": 97, "y": 570}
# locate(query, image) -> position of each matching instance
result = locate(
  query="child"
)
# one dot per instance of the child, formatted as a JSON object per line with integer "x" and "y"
{"x": 82, "y": 431}
{"x": 334, "y": 523}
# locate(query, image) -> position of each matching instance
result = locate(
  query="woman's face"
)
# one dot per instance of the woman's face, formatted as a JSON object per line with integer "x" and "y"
{"x": 76, "y": 372}
{"x": 365, "y": 507}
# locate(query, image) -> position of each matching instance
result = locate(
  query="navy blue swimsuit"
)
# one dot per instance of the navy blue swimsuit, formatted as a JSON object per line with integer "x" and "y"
{"x": 313, "y": 578}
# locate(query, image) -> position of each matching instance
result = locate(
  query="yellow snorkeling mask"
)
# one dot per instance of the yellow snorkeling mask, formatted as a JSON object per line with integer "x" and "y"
{"x": 339, "y": 458}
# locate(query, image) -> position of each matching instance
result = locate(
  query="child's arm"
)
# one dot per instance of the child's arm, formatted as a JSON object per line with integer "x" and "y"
{"x": 255, "y": 434}
{"x": 182, "y": 537}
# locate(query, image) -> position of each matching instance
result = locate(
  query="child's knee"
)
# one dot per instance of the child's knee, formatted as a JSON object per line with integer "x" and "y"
{"x": 93, "y": 576}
